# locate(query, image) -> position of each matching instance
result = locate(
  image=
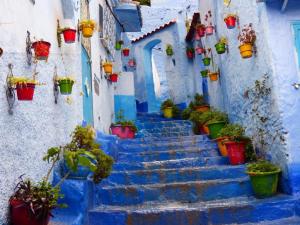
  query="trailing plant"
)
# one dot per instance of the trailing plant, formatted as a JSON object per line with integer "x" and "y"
{"x": 247, "y": 35}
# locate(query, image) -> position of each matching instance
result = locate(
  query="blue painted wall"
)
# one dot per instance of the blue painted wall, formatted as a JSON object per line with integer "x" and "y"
{"x": 127, "y": 104}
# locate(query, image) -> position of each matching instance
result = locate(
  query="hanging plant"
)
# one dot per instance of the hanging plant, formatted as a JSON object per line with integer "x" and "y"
{"x": 209, "y": 29}
{"x": 41, "y": 49}
{"x": 199, "y": 50}
{"x": 87, "y": 27}
{"x": 65, "y": 85}
{"x": 169, "y": 50}
{"x": 231, "y": 20}
{"x": 190, "y": 52}
{"x": 108, "y": 67}
{"x": 200, "y": 30}
{"x": 206, "y": 60}
{"x": 214, "y": 76}
{"x": 247, "y": 38}
{"x": 69, "y": 35}
{"x": 221, "y": 46}
{"x": 204, "y": 73}
{"x": 114, "y": 77}
{"x": 126, "y": 51}
{"x": 132, "y": 63}
{"x": 119, "y": 45}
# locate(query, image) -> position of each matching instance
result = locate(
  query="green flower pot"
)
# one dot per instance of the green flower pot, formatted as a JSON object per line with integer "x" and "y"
{"x": 65, "y": 86}
{"x": 204, "y": 73}
{"x": 215, "y": 128}
{"x": 220, "y": 48}
{"x": 118, "y": 46}
{"x": 169, "y": 51}
{"x": 264, "y": 184}
{"x": 206, "y": 61}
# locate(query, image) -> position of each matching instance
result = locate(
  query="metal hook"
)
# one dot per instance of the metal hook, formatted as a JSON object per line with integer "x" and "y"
{"x": 9, "y": 90}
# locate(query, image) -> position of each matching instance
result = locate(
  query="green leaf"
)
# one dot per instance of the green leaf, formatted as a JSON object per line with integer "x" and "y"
{"x": 83, "y": 161}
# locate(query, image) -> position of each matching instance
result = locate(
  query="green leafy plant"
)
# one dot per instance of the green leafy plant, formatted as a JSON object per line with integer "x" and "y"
{"x": 232, "y": 131}
{"x": 198, "y": 101}
{"x": 218, "y": 116}
{"x": 186, "y": 113}
{"x": 167, "y": 104}
{"x": 144, "y": 2}
{"x": 124, "y": 123}
{"x": 262, "y": 167}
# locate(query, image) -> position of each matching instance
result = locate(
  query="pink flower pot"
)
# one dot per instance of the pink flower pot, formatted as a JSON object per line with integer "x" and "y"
{"x": 209, "y": 30}
{"x": 197, "y": 36}
{"x": 200, "y": 50}
{"x": 123, "y": 132}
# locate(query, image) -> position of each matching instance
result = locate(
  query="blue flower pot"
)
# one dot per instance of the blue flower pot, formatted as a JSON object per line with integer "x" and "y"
{"x": 81, "y": 174}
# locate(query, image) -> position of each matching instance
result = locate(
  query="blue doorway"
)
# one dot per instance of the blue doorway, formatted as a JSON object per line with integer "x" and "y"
{"x": 87, "y": 90}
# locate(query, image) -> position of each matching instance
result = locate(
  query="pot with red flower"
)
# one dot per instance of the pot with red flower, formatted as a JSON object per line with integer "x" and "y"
{"x": 126, "y": 52}
{"x": 190, "y": 52}
{"x": 230, "y": 21}
{"x": 113, "y": 77}
{"x": 199, "y": 50}
{"x": 131, "y": 63}
{"x": 41, "y": 49}
{"x": 247, "y": 38}
{"x": 69, "y": 35}
{"x": 200, "y": 30}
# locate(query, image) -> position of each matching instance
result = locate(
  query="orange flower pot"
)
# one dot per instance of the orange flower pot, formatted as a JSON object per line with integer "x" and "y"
{"x": 246, "y": 50}
{"x": 222, "y": 146}
{"x": 214, "y": 76}
{"x": 108, "y": 68}
{"x": 206, "y": 129}
{"x": 203, "y": 108}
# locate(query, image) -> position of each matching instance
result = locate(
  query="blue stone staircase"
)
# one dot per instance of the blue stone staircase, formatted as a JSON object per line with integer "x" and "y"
{"x": 167, "y": 176}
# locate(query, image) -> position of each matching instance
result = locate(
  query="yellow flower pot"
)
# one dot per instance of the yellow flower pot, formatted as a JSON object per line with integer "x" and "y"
{"x": 108, "y": 68}
{"x": 87, "y": 27}
{"x": 246, "y": 50}
{"x": 168, "y": 112}
{"x": 214, "y": 76}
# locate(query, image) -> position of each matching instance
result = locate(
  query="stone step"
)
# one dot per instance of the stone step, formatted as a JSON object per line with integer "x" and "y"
{"x": 150, "y": 140}
{"x": 227, "y": 211}
{"x": 171, "y": 134}
{"x": 183, "y": 191}
{"x": 148, "y": 156}
{"x": 295, "y": 220}
{"x": 142, "y": 177}
{"x": 163, "y": 124}
{"x": 169, "y": 164}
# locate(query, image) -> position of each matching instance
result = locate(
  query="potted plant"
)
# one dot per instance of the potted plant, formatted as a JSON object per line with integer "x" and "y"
{"x": 247, "y": 38}
{"x": 231, "y": 20}
{"x": 190, "y": 52}
{"x": 41, "y": 49}
{"x": 126, "y": 52}
{"x": 204, "y": 73}
{"x": 215, "y": 124}
{"x": 119, "y": 45}
{"x": 197, "y": 36}
{"x": 169, "y": 50}
{"x": 69, "y": 35}
{"x": 214, "y": 76}
{"x": 25, "y": 87}
{"x": 124, "y": 129}
{"x": 65, "y": 85}
{"x": 264, "y": 178}
{"x": 114, "y": 77}
{"x": 206, "y": 60}
{"x": 144, "y": 2}
{"x": 87, "y": 27}
{"x": 221, "y": 46}
{"x": 199, "y": 104}
{"x": 209, "y": 29}
{"x": 108, "y": 67}
{"x": 200, "y": 30}
{"x": 235, "y": 142}
{"x": 132, "y": 63}
{"x": 199, "y": 50}
{"x": 167, "y": 108}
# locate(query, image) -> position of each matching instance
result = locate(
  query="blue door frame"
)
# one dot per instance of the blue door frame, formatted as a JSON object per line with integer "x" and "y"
{"x": 296, "y": 27}
{"x": 87, "y": 86}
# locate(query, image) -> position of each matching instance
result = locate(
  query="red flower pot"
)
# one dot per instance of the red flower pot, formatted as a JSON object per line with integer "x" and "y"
{"x": 21, "y": 215}
{"x": 200, "y": 31}
{"x": 230, "y": 22}
{"x": 126, "y": 52}
{"x": 200, "y": 50}
{"x": 209, "y": 30}
{"x": 123, "y": 132}
{"x": 41, "y": 49}
{"x": 197, "y": 36}
{"x": 69, "y": 35}
{"x": 25, "y": 91}
{"x": 113, "y": 77}
{"x": 190, "y": 54}
{"x": 131, "y": 63}
{"x": 236, "y": 152}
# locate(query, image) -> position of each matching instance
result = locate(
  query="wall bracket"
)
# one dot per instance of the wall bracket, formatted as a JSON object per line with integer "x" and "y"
{"x": 55, "y": 86}
{"x": 10, "y": 94}
{"x": 28, "y": 49}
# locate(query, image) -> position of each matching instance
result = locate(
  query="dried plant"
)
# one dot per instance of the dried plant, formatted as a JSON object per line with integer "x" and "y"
{"x": 247, "y": 35}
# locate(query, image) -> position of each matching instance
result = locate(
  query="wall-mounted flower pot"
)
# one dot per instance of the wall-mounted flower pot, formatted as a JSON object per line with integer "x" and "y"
{"x": 246, "y": 50}
{"x": 113, "y": 77}
{"x": 118, "y": 46}
{"x": 168, "y": 112}
{"x": 108, "y": 67}
{"x": 25, "y": 91}
{"x": 236, "y": 152}
{"x": 200, "y": 50}
{"x": 41, "y": 49}
{"x": 169, "y": 51}
{"x": 202, "y": 108}
{"x": 206, "y": 61}
{"x": 197, "y": 37}
{"x": 126, "y": 52}
{"x": 220, "y": 48}
{"x": 131, "y": 63}
{"x": 123, "y": 132}
{"x": 264, "y": 184}
{"x": 230, "y": 22}
{"x": 69, "y": 35}
{"x": 65, "y": 86}
{"x": 215, "y": 128}
{"x": 204, "y": 73}
{"x": 222, "y": 146}
{"x": 20, "y": 214}
{"x": 209, "y": 30}
{"x": 214, "y": 76}
{"x": 87, "y": 27}
{"x": 190, "y": 54}
{"x": 200, "y": 30}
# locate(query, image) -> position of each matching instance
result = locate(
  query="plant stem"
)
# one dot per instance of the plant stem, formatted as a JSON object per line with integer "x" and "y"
{"x": 62, "y": 179}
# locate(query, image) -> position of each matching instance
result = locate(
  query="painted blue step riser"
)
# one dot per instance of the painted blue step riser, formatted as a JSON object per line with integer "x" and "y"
{"x": 185, "y": 192}
{"x": 168, "y": 126}
{"x": 160, "y": 143}
{"x": 161, "y": 139}
{"x": 166, "y": 156}
{"x": 170, "y": 176}
{"x": 166, "y": 131}
{"x": 157, "y": 135}
{"x": 173, "y": 164}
